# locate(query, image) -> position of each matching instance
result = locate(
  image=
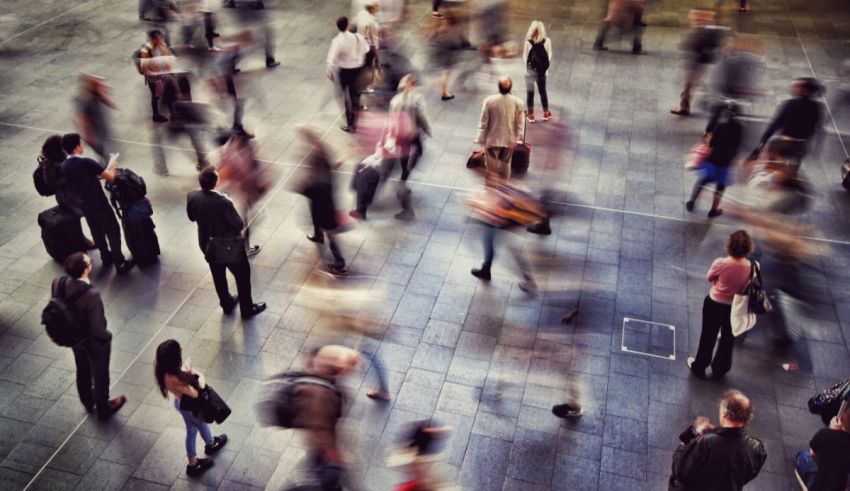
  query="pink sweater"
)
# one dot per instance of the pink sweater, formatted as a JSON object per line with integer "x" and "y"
{"x": 727, "y": 277}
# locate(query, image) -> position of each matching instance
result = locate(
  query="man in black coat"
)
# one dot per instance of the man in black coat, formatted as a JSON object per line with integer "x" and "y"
{"x": 92, "y": 354}
{"x": 217, "y": 217}
{"x": 720, "y": 459}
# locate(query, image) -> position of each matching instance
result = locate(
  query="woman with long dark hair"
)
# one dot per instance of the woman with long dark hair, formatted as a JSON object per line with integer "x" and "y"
{"x": 184, "y": 383}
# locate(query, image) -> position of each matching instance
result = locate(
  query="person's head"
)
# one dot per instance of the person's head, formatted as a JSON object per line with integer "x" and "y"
{"x": 72, "y": 143}
{"x": 155, "y": 37}
{"x": 52, "y": 149}
{"x": 736, "y": 410}
{"x": 505, "y": 85}
{"x": 806, "y": 87}
{"x": 371, "y": 6}
{"x": 78, "y": 265}
{"x": 342, "y": 24}
{"x": 536, "y": 32}
{"x": 208, "y": 178}
{"x": 407, "y": 82}
{"x": 169, "y": 361}
{"x": 739, "y": 244}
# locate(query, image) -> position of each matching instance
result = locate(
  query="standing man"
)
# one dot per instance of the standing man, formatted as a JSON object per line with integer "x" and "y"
{"x": 345, "y": 61}
{"x": 218, "y": 221}
{"x": 700, "y": 48}
{"x": 82, "y": 177}
{"x": 499, "y": 129}
{"x": 723, "y": 458}
{"x": 92, "y": 354}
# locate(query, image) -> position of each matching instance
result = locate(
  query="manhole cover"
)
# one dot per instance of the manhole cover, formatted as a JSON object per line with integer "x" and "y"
{"x": 649, "y": 338}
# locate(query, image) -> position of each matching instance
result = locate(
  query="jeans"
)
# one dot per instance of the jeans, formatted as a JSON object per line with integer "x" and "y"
{"x": 532, "y": 76}
{"x": 93, "y": 377}
{"x": 715, "y": 317}
{"x": 380, "y": 372}
{"x": 194, "y": 424}
{"x": 489, "y": 252}
{"x": 806, "y": 467}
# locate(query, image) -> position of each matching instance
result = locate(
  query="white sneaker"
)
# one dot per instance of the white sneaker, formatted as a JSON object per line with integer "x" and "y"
{"x": 215, "y": 49}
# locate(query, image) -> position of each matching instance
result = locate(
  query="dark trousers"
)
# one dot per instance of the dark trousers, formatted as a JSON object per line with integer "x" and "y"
{"x": 531, "y": 77}
{"x": 106, "y": 233}
{"x": 716, "y": 317}
{"x": 348, "y": 82}
{"x": 436, "y": 5}
{"x": 339, "y": 261}
{"x": 241, "y": 271}
{"x": 93, "y": 377}
{"x": 637, "y": 45}
{"x": 209, "y": 28}
{"x": 167, "y": 96}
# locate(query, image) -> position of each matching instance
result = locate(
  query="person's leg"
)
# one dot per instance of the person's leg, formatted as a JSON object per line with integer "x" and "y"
{"x": 380, "y": 373}
{"x": 204, "y": 429}
{"x": 99, "y": 238}
{"x": 84, "y": 378}
{"x": 435, "y": 5}
{"x": 339, "y": 260}
{"x": 154, "y": 99}
{"x": 100, "y": 373}
{"x": 354, "y": 94}
{"x": 110, "y": 226}
{"x": 416, "y": 149}
{"x": 225, "y": 300}
{"x": 197, "y": 138}
{"x": 722, "y": 362}
{"x": 242, "y": 272}
{"x": 544, "y": 96}
{"x": 599, "y": 43}
{"x": 209, "y": 28}
{"x": 637, "y": 25}
{"x": 530, "y": 76}
{"x": 695, "y": 192}
{"x": 505, "y": 155}
{"x": 806, "y": 467}
{"x": 489, "y": 246}
{"x": 191, "y": 433}
{"x": 345, "y": 87}
{"x": 718, "y": 195}
{"x": 708, "y": 336}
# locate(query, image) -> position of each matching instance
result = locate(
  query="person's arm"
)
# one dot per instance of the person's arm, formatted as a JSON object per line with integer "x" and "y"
{"x": 189, "y": 208}
{"x": 333, "y": 52}
{"x": 422, "y": 112}
{"x": 232, "y": 218}
{"x": 519, "y": 121}
{"x": 548, "y": 45}
{"x": 526, "y": 48}
{"x": 97, "y": 319}
{"x": 483, "y": 122}
{"x": 689, "y": 460}
{"x": 109, "y": 173}
{"x": 777, "y": 122}
{"x": 713, "y": 271}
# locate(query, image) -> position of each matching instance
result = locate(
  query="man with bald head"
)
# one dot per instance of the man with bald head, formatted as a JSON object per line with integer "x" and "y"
{"x": 719, "y": 459}
{"x": 499, "y": 130}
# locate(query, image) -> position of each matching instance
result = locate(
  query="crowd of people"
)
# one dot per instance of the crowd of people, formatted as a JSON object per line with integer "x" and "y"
{"x": 365, "y": 64}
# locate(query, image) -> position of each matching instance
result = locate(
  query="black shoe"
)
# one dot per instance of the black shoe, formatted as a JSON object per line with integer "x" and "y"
{"x": 689, "y": 206}
{"x": 715, "y": 212}
{"x": 158, "y": 118}
{"x": 448, "y": 97}
{"x": 125, "y": 267}
{"x": 405, "y": 215}
{"x": 253, "y": 250}
{"x": 199, "y": 467}
{"x": 541, "y": 228}
{"x": 482, "y": 273}
{"x": 115, "y": 405}
{"x": 347, "y": 129}
{"x": 695, "y": 372}
{"x": 271, "y": 63}
{"x": 318, "y": 239}
{"x": 566, "y": 411}
{"x": 216, "y": 35}
{"x": 234, "y": 301}
{"x": 217, "y": 444}
{"x": 337, "y": 269}
{"x": 255, "y": 309}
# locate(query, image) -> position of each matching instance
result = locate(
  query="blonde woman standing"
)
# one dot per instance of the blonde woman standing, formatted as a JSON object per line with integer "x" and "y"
{"x": 537, "y": 54}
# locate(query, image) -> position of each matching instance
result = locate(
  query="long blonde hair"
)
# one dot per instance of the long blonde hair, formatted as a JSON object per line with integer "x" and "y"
{"x": 536, "y": 32}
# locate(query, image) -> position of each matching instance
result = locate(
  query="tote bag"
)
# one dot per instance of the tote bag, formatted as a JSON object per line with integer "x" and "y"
{"x": 750, "y": 303}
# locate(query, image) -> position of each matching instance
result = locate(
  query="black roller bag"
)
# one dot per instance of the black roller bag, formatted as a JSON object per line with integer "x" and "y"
{"x": 521, "y": 155}
{"x": 127, "y": 195}
{"x": 61, "y": 233}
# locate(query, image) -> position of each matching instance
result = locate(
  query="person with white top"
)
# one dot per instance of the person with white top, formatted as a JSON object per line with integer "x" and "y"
{"x": 537, "y": 55}
{"x": 345, "y": 60}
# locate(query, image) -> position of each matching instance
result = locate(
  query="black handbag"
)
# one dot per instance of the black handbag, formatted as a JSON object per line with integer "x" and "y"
{"x": 225, "y": 250}
{"x": 758, "y": 301}
{"x": 212, "y": 406}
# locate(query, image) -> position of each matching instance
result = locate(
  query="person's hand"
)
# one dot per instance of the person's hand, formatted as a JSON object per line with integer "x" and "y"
{"x": 834, "y": 424}
{"x": 701, "y": 424}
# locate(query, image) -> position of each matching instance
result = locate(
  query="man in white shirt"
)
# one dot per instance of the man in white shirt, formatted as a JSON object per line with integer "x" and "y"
{"x": 345, "y": 61}
{"x": 499, "y": 129}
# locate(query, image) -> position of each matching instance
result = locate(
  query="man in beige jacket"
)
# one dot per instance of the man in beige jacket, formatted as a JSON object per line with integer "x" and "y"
{"x": 499, "y": 129}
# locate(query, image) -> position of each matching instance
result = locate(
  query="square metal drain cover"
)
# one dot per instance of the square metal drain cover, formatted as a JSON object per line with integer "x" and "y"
{"x": 649, "y": 338}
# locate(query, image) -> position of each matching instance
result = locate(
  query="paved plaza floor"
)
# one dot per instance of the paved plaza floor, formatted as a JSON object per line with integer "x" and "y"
{"x": 487, "y": 359}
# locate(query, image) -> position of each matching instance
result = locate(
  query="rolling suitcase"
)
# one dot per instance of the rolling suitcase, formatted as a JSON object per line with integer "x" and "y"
{"x": 141, "y": 240}
{"x": 365, "y": 183}
{"x": 61, "y": 233}
{"x": 522, "y": 153}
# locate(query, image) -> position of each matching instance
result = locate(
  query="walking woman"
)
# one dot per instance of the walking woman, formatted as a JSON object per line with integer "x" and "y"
{"x": 537, "y": 54}
{"x": 728, "y": 276}
{"x": 184, "y": 383}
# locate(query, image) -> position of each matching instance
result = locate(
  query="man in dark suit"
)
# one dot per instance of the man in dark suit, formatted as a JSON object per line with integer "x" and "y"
{"x": 91, "y": 355}
{"x": 217, "y": 217}
{"x": 82, "y": 176}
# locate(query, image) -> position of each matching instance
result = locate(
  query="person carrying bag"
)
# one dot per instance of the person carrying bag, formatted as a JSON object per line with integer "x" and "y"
{"x": 751, "y": 302}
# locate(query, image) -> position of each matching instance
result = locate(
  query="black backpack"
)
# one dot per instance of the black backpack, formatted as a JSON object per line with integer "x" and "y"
{"x": 126, "y": 188}
{"x": 61, "y": 319}
{"x": 538, "y": 58}
{"x": 46, "y": 176}
{"x": 277, "y": 405}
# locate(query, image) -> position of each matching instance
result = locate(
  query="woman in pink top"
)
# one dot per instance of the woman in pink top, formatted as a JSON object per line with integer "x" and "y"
{"x": 184, "y": 384}
{"x": 728, "y": 276}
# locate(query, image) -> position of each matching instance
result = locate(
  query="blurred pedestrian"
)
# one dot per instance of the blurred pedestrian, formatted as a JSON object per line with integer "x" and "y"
{"x": 91, "y": 356}
{"x": 83, "y": 176}
{"x": 725, "y": 457}
{"x": 445, "y": 39}
{"x": 723, "y": 135}
{"x": 796, "y": 120}
{"x": 499, "y": 129}
{"x": 345, "y": 61}
{"x": 185, "y": 384}
{"x": 240, "y": 169}
{"x": 418, "y": 454}
{"x": 318, "y": 187}
{"x": 196, "y": 13}
{"x": 700, "y": 50}
{"x": 154, "y": 61}
{"x": 728, "y": 277}
{"x": 625, "y": 14}
{"x": 220, "y": 238}
{"x": 825, "y": 465}
{"x": 92, "y": 119}
{"x": 739, "y": 69}
{"x": 537, "y": 55}
{"x": 366, "y": 24}
{"x": 254, "y": 17}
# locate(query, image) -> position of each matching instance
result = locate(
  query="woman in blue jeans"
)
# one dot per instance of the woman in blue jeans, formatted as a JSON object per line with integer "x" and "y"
{"x": 184, "y": 384}
{"x": 723, "y": 135}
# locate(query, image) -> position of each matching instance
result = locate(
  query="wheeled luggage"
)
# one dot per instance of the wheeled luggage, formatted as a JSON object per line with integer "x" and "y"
{"x": 141, "y": 240}
{"x": 127, "y": 194}
{"x": 522, "y": 153}
{"x": 61, "y": 233}
{"x": 365, "y": 183}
